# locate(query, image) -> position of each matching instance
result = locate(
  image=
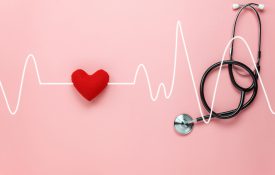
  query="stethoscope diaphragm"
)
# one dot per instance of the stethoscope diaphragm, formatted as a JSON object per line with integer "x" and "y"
{"x": 183, "y": 124}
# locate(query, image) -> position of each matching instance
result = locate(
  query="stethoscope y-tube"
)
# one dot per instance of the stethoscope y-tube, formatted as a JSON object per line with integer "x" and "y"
{"x": 184, "y": 123}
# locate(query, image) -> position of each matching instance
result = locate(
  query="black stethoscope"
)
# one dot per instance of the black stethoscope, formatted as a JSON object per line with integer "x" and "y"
{"x": 184, "y": 123}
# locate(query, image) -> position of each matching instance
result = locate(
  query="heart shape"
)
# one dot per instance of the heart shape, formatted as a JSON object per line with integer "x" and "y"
{"x": 89, "y": 86}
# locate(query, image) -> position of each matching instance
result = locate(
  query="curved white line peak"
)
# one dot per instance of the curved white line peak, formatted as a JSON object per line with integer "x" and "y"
{"x": 29, "y": 58}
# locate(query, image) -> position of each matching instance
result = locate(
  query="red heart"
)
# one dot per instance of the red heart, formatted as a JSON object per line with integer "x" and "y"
{"x": 89, "y": 86}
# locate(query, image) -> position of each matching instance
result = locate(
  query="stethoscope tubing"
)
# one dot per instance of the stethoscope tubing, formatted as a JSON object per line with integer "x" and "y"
{"x": 242, "y": 104}
{"x": 231, "y": 63}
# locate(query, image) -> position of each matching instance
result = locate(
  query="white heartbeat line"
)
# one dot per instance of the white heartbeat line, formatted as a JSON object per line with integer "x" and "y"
{"x": 140, "y": 67}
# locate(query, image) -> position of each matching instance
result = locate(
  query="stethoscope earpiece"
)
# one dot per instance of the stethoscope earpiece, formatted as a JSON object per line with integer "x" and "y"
{"x": 261, "y": 6}
{"x": 237, "y": 6}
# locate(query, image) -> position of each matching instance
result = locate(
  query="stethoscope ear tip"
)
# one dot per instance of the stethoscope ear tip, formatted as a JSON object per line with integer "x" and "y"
{"x": 235, "y": 6}
{"x": 261, "y": 6}
{"x": 183, "y": 124}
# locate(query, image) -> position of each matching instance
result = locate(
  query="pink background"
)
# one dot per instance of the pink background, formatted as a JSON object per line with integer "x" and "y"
{"x": 122, "y": 131}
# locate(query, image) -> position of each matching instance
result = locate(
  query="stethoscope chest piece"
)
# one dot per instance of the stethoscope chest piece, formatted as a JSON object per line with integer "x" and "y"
{"x": 183, "y": 124}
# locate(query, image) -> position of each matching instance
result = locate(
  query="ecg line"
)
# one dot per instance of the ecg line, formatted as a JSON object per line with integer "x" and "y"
{"x": 140, "y": 67}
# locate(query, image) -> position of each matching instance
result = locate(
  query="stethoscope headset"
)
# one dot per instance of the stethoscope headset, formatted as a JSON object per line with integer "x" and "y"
{"x": 184, "y": 123}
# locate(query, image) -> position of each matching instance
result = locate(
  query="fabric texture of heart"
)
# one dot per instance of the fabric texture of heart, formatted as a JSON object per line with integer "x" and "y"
{"x": 89, "y": 86}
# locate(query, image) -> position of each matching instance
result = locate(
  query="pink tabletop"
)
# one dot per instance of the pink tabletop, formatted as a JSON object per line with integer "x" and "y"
{"x": 126, "y": 130}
